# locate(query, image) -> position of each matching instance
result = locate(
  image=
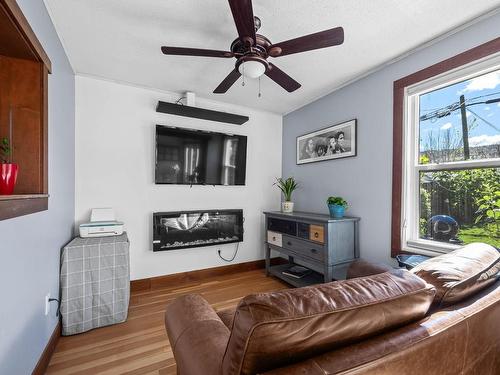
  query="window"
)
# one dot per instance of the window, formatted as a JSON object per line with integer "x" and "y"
{"x": 449, "y": 155}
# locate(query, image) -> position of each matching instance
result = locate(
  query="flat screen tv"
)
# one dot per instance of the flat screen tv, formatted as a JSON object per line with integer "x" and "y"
{"x": 195, "y": 157}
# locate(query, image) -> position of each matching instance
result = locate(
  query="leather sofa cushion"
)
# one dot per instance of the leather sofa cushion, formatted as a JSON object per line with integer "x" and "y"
{"x": 227, "y": 316}
{"x": 363, "y": 268}
{"x": 274, "y": 329}
{"x": 460, "y": 273}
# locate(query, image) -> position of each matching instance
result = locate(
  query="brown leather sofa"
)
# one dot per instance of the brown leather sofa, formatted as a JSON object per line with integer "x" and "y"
{"x": 441, "y": 318}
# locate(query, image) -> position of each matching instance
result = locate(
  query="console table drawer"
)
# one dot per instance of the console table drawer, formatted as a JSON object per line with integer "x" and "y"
{"x": 274, "y": 238}
{"x": 306, "y": 248}
{"x": 317, "y": 233}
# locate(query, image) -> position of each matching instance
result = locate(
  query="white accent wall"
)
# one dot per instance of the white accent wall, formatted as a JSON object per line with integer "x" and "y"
{"x": 115, "y": 156}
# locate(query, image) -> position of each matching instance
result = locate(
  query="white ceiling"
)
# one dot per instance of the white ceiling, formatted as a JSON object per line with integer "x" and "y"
{"x": 121, "y": 39}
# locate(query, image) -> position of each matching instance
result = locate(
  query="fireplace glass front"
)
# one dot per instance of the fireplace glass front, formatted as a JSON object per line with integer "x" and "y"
{"x": 184, "y": 229}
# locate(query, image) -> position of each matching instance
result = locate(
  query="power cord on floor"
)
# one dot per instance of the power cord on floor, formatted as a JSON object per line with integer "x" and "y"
{"x": 234, "y": 255}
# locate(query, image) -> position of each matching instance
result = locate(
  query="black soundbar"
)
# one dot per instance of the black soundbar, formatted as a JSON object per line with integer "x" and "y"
{"x": 201, "y": 113}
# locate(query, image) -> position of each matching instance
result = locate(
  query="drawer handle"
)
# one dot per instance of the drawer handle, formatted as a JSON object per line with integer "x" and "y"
{"x": 289, "y": 243}
{"x": 274, "y": 238}
{"x": 314, "y": 251}
{"x": 316, "y": 234}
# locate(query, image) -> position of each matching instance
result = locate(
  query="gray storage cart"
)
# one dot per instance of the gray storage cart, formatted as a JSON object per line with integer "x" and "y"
{"x": 95, "y": 283}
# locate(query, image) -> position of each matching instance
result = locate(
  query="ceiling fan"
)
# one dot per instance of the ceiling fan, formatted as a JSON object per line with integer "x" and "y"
{"x": 252, "y": 50}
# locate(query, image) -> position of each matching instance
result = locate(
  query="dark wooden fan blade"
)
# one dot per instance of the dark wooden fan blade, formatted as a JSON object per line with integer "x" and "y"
{"x": 281, "y": 78}
{"x": 243, "y": 18}
{"x": 227, "y": 82}
{"x": 323, "y": 39}
{"x": 195, "y": 52}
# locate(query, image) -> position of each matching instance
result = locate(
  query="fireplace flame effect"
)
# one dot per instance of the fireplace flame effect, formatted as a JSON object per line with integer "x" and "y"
{"x": 186, "y": 221}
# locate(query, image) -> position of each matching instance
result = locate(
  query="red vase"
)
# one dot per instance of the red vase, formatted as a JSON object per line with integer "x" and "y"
{"x": 8, "y": 177}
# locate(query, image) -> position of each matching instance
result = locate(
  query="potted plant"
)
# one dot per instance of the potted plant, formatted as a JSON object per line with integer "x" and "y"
{"x": 337, "y": 206}
{"x": 8, "y": 170}
{"x": 287, "y": 187}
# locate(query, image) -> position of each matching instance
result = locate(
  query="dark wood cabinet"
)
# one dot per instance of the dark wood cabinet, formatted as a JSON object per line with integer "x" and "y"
{"x": 24, "y": 69}
{"x": 319, "y": 242}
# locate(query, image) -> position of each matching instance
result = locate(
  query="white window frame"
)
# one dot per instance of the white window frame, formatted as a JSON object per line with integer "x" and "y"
{"x": 410, "y": 214}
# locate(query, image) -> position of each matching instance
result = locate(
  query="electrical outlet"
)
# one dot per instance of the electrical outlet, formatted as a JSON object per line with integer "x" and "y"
{"x": 47, "y": 304}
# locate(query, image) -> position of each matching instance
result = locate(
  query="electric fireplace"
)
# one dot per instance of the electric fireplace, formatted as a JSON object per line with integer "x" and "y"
{"x": 185, "y": 229}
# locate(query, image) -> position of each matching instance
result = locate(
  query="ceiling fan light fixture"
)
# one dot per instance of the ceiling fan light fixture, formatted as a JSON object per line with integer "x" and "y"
{"x": 251, "y": 50}
{"x": 252, "y": 69}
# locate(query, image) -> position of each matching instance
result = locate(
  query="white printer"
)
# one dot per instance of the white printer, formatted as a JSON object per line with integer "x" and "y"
{"x": 102, "y": 224}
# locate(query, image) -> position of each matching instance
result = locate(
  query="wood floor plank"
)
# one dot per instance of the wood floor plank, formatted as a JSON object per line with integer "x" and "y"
{"x": 98, "y": 350}
{"x": 140, "y": 345}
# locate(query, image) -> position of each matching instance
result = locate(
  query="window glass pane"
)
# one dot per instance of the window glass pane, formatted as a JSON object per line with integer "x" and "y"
{"x": 460, "y": 206}
{"x": 461, "y": 121}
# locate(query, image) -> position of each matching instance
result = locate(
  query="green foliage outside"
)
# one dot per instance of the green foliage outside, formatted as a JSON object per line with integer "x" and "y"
{"x": 478, "y": 234}
{"x": 472, "y": 197}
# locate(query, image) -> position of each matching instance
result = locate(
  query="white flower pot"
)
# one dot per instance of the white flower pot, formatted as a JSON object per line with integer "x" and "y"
{"x": 287, "y": 207}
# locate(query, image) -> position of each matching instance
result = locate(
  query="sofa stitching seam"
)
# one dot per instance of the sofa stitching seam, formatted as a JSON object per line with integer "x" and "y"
{"x": 466, "y": 344}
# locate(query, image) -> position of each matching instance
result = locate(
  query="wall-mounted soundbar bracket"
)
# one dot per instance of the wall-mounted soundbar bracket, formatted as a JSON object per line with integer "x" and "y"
{"x": 201, "y": 113}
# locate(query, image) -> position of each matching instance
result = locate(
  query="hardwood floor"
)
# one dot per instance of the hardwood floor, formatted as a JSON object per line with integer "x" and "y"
{"x": 140, "y": 345}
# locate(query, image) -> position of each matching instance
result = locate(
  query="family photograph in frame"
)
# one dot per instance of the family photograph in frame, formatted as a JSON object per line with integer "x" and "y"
{"x": 335, "y": 142}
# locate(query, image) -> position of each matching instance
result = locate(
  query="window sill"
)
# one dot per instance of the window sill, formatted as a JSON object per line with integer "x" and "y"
{"x": 429, "y": 248}
{"x": 18, "y": 205}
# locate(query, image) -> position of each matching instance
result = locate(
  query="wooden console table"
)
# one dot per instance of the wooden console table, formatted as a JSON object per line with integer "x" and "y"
{"x": 319, "y": 242}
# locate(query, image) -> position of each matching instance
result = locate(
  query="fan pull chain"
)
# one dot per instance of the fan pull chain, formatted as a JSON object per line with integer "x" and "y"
{"x": 243, "y": 83}
{"x": 259, "y": 89}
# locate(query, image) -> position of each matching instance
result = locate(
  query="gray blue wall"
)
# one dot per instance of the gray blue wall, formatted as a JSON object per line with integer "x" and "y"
{"x": 365, "y": 180}
{"x": 30, "y": 245}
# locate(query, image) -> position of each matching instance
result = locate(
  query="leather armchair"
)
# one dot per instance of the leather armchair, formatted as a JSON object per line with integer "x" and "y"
{"x": 197, "y": 335}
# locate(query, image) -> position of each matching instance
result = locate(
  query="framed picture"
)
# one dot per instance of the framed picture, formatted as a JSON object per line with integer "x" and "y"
{"x": 335, "y": 142}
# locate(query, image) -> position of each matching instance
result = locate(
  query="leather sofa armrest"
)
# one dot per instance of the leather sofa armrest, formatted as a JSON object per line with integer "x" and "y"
{"x": 197, "y": 335}
{"x": 361, "y": 268}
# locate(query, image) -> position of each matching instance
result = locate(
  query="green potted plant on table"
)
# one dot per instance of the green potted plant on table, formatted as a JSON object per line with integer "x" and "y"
{"x": 337, "y": 206}
{"x": 8, "y": 170}
{"x": 287, "y": 187}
